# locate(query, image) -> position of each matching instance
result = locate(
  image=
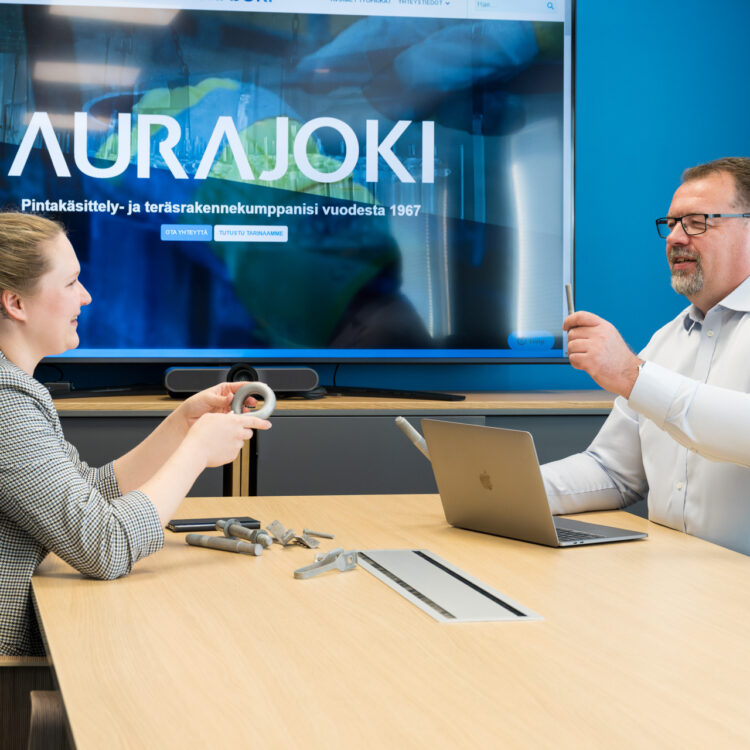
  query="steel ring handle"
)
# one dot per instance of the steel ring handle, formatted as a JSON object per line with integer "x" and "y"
{"x": 255, "y": 389}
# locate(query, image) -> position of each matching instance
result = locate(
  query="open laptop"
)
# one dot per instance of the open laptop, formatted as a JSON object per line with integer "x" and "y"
{"x": 489, "y": 480}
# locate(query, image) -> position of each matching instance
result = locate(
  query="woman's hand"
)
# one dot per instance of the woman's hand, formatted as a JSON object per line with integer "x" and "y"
{"x": 144, "y": 462}
{"x": 214, "y": 400}
{"x": 215, "y": 439}
{"x": 218, "y": 438}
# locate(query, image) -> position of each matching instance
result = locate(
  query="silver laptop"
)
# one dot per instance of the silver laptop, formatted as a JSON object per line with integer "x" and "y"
{"x": 489, "y": 480}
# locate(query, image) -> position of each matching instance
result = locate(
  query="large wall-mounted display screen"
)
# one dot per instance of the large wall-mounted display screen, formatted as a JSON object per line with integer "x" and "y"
{"x": 300, "y": 179}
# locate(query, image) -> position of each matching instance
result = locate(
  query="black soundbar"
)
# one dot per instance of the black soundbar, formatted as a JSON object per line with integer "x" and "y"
{"x": 352, "y": 390}
{"x": 182, "y": 382}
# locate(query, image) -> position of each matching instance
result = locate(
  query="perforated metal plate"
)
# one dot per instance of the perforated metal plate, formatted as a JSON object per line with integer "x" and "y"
{"x": 440, "y": 589}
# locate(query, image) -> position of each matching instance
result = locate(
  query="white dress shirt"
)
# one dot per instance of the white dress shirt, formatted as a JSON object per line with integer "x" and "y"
{"x": 682, "y": 439}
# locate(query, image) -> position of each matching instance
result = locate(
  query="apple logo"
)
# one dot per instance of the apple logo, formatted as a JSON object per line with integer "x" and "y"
{"x": 485, "y": 481}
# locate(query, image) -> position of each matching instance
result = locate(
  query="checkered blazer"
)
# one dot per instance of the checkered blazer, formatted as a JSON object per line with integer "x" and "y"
{"x": 51, "y": 500}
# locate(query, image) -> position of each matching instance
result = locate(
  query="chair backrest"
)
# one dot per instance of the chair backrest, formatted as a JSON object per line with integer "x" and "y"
{"x": 19, "y": 675}
{"x": 47, "y": 726}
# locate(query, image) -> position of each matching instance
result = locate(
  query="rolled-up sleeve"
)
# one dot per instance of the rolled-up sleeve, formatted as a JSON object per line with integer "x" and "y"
{"x": 103, "y": 477}
{"x": 42, "y": 491}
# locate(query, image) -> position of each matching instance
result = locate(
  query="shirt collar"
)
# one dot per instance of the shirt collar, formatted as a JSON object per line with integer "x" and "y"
{"x": 737, "y": 300}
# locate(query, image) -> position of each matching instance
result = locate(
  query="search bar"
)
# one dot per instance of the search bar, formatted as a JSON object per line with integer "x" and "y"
{"x": 519, "y": 10}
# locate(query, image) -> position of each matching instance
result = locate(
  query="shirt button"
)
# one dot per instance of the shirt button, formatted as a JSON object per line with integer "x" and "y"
{"x": 679, "y": 485}
{"x": 709, "y": 333}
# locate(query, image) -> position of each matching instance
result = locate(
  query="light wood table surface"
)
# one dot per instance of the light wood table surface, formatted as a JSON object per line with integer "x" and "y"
{"x": 483, "y": 402}
{"x": 643, "y": 644}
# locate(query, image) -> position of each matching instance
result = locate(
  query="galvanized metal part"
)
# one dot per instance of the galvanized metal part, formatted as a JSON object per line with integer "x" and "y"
{"x": 321, "y": 534}
{"x": 222, "y": 543}
{"x": 262, "y": 537}
{"x": 255, "y": 389}
{"x": 280, "y": 533}
{"x": 306, "y": 541}
{"x": 336, "y": 559}
{"x": 233, "y": 528}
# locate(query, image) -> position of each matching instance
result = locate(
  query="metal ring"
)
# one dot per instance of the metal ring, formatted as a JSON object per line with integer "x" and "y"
{"x": 255, "y": 389}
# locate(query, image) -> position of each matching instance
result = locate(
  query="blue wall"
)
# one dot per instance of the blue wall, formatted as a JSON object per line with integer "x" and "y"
{"x": 660, "y": 86}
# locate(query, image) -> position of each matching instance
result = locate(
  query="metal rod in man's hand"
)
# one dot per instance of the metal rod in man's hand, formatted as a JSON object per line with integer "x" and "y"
{"x": 569, "y": 297}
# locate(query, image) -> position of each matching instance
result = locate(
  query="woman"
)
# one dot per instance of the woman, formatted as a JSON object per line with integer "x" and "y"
{"x": 100, "y": 521}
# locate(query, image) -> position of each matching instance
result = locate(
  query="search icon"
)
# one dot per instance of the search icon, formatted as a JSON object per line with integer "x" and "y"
{"x": 551, "y": 5}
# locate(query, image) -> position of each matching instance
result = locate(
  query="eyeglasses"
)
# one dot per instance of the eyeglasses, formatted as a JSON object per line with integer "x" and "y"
{"x": 692, "y": 223}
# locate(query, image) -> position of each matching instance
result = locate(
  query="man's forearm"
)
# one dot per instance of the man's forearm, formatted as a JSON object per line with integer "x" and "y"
{"x": 709, "y": 420}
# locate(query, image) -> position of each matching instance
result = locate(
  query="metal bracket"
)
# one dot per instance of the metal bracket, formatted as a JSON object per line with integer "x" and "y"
{"x": 306, "y": 541}
{"x": 336, "y": 559}
{"x": 286, "y": 536}
{"x": 280, "y": 533}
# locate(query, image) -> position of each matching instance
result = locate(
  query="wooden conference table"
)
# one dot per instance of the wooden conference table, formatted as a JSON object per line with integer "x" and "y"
{"x": 643, "y": 644}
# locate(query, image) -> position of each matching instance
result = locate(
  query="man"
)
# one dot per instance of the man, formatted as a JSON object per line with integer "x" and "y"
{"x": 679, "y": 433}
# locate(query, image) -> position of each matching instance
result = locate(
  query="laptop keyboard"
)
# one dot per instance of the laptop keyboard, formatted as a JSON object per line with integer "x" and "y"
{"x": 568, "y": 535}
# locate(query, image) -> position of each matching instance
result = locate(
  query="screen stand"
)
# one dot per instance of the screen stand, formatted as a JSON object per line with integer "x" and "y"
{"x": 131, "y": 390}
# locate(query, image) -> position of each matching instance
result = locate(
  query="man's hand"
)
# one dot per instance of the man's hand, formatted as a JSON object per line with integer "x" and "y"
{"x": 595, "y": 346}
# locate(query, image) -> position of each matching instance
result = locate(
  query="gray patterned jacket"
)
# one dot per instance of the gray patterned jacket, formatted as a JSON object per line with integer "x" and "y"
{"x": 50, "y": 500}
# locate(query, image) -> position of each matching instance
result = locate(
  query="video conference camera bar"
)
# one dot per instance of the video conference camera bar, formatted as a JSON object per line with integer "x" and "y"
{"x": 182, "y": 382}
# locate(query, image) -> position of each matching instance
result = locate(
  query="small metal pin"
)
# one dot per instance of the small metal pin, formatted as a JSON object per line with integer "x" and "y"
{"x": 320, "y": 534}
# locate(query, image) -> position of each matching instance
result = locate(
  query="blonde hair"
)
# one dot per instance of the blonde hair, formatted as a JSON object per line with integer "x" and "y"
{"x": 22, "y": 260}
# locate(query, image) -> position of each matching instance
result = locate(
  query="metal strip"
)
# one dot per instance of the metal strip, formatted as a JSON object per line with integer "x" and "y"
{"x": 438, "y": 588}
{"x": 461, "y": 578}
{"x": 404, "y": 585}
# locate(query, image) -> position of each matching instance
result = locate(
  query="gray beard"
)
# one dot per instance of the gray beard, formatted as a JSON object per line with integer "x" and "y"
{"x": 688, "y": 284}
